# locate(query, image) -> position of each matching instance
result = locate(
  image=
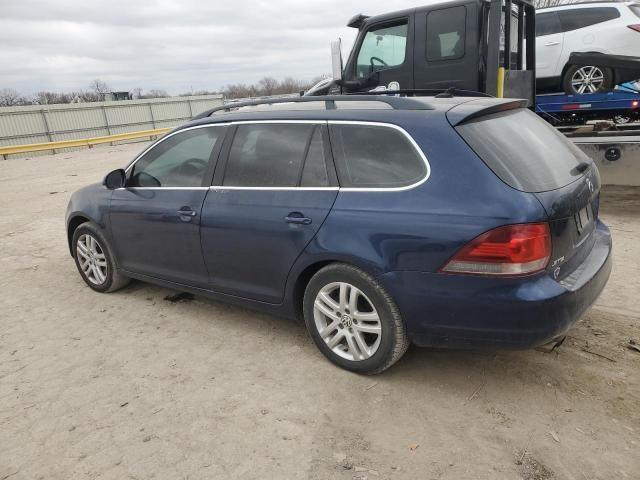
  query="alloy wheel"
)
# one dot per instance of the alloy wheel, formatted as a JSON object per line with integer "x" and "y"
{"x": 347, "y": 321}
{"x": 588, "y": 79}
{"x": 92, "y": 259}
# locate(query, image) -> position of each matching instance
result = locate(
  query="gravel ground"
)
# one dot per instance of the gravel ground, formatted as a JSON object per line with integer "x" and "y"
{"x": 130, "y": 385}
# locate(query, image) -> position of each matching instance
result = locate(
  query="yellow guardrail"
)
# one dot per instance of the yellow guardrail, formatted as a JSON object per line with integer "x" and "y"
{"x": 80, "y": 142}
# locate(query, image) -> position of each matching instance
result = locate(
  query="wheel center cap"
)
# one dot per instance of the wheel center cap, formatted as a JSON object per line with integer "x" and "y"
{"x": 346, "y": 320}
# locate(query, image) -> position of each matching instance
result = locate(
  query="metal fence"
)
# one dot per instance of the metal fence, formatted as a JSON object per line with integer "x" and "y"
{"x": 51, "y": 123}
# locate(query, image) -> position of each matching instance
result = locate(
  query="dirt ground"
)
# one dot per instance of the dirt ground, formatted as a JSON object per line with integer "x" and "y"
{"x": 130, "y": 385}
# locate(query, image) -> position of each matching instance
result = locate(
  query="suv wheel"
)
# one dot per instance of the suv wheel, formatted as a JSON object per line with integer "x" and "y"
{"x": 94, "y": 259}
{"x": 353, "y": 320}
{"x": 587, "y": 79}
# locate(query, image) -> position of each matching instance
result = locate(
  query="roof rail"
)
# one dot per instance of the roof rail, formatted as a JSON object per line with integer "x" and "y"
{"x": 397, "y": 103}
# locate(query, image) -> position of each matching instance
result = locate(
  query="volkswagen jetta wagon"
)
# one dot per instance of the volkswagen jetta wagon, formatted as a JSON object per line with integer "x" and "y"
{"x": 380, "y": 221}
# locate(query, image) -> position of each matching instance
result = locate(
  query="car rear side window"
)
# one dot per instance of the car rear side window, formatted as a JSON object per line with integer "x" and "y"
{"x": 446, "y": 34}
{"x": 523, "y": 150}
{"x": 547, "y": 24}
{"x": 179, "y": 161}
{"x": 374, "y": 156}
{"x": 277, "y": 155}
{"x": 574, "y": 19}
{"x": 635, "y": 9}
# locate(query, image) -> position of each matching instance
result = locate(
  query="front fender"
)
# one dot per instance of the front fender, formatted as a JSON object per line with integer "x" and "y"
{"x": 90, "y": 203}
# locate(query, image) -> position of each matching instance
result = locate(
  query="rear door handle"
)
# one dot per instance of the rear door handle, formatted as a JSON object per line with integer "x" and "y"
{"x": 551, "y": 44}
{"x": 297, "y": 218}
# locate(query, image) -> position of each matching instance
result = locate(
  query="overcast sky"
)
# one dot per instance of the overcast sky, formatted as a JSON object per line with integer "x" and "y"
{"x": 176, "y": 45}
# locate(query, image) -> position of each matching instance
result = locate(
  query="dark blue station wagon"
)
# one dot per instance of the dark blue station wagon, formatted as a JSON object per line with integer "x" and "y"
{"x": 445, "y": 222}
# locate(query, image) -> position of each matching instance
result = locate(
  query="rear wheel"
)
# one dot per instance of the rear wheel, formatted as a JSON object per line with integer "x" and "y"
{"x": 579, "y": 79}
{"x": 95, "y": 261}
{"x": 353, "y": 320}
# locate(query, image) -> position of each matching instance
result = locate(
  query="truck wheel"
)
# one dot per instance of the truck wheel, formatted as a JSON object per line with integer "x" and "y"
{"x": 587, "y": 79}
{"x": 622, "y": 118}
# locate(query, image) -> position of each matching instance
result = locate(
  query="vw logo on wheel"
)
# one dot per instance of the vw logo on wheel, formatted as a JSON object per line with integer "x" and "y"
{"x": 346, "y": 320}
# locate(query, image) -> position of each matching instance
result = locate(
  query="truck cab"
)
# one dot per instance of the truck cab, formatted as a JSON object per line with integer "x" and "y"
{"x": 458, "y": 44}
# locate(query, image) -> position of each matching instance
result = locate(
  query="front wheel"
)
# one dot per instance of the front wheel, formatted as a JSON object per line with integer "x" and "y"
{"x": 579, "y": 79}
{"x": 94, "y": 259}
{"x": 353, "y": 320}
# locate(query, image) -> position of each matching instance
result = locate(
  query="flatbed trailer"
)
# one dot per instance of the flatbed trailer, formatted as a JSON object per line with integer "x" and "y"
{"x": 562, "y": 109}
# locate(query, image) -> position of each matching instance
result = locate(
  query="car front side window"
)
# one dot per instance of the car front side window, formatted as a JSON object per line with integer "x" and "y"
{"x": 383, "y": 47}
{"x": 179, "y": 161}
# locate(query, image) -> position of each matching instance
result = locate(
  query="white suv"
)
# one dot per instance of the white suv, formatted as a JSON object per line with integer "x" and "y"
{"x": 600, "y": 27}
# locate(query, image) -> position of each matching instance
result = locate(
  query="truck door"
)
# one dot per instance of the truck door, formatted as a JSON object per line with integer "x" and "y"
{"x": 446, "y": 48}
{"x": 385, "y": 49}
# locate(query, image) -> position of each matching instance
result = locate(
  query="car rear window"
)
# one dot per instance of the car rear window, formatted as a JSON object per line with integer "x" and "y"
{"x": 635, "y": 9}
{"x": 523, "y": 150}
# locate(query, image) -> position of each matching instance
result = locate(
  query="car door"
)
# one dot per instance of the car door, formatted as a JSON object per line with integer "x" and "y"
{"x": 549, "y": 45}
{"x": 277, "y": 187}
{"x": 155, "y": 219}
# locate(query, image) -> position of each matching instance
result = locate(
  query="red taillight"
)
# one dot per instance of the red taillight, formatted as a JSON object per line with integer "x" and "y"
{"x": 510, "y": 250}
{"x": 634, "y": 27}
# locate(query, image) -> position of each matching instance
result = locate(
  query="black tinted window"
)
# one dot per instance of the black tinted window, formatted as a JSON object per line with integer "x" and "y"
{"x": 446, "y": 33}
{"x": 179, "y": 161}
{"x": 273, "y": 155}
{"x": 523, "y": 150}
{"x": 375, "y": 156}
{"x": 547, "y": 24}
{"x": 583, "y": 17}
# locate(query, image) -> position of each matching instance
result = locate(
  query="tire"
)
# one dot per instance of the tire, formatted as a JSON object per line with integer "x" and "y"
{"x": 602, "y": 80}
{"x": 371, "y": 308}
{"x": 100, "y": 258}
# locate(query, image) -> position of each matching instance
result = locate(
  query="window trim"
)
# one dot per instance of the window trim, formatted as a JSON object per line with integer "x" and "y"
{"x": 222, "y": 164}
{"x": 464, "y": 43}
{"x": 215, "y": 150}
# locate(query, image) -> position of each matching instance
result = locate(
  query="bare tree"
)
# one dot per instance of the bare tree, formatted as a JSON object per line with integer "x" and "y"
{"x": 155, "y": 93}
{"x": 99, "y": 88}
{"x": 268, "y": 85}
{"x": 10, "y": 97}
{"x": 136, "y": 93}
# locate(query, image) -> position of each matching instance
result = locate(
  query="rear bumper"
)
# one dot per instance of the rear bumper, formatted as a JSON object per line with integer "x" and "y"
{"x": 462, "y": 311}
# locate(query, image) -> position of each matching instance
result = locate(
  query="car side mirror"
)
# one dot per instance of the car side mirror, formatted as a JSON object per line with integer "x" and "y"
{"x": 115, "y": 179}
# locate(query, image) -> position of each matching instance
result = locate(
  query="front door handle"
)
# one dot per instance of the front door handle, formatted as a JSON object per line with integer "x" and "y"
{"x": 186, "y": 214}
{"x": 297, "y": 218}
{"x": 551, "y": 44}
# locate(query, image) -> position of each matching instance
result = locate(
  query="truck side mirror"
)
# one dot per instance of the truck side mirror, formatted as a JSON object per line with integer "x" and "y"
{"x": 115, "y": 179}
{"x": 336, "y": 60}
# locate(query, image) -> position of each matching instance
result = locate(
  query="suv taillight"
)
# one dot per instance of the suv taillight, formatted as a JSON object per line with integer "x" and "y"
{"x": 519, "y": 249}
{"x": 634, "y": 27}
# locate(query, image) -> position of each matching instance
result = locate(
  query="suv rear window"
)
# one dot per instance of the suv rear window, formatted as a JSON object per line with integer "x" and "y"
{"x": 374, "y": 156}
{"x": 574, "y": 19}
{"x": 523, "y": 150}
{"x": 635, "y": 9}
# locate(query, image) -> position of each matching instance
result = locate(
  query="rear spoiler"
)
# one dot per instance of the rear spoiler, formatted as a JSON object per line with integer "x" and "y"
{"x": 466, "y": 111}
{"x": 625, "y": 68}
